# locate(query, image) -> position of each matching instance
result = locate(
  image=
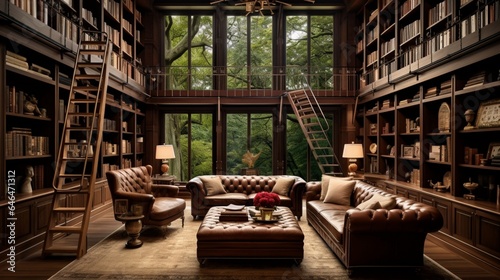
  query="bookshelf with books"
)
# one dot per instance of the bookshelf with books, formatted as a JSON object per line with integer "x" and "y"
{"x": 36, "y": 62}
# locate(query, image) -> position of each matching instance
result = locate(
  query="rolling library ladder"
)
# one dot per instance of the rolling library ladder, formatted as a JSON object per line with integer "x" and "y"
{"x": 315, "y": 127}
{"x": 77, "y": 159}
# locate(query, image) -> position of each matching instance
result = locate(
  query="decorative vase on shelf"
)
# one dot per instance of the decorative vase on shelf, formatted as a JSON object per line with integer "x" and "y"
{"x": 266, "y": 213}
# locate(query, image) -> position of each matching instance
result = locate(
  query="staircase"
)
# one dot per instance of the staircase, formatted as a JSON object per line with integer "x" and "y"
{"x": 315, "y": 127}
{"x": 80, "y": 144}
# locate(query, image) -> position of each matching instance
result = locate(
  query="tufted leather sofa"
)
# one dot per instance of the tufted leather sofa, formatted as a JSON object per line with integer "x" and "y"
{"x": 159, "y": 202}
{"x": 241, "y": 190}
{"x": 371, "y": 238}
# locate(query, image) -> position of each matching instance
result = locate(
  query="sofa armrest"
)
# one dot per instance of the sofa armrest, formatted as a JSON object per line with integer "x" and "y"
{"x": 195, "y": 186}
{"x": 313, "y": 190}
{"x": 160, "y": 190}
{"x": 423, "y": 218}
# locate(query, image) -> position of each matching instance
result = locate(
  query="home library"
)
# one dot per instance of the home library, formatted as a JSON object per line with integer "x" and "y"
{"x": 37, "y": 55}
{"x": 431, "y": 115}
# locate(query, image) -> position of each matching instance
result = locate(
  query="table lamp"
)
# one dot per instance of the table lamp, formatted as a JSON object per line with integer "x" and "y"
{"x": 164, "y": 152}
{"x": 352, "y": 152}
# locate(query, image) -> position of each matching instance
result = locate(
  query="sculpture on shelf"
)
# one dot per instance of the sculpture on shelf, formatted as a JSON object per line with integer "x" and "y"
{"x": 26, "y": 182}
{"x": 31, "y": 105}
{"x": 469, "y": 117}
{"x": 250, "y": 158}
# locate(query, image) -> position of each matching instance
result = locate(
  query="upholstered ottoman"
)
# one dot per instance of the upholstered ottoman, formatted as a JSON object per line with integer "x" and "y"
{"x": 283, "y": 239}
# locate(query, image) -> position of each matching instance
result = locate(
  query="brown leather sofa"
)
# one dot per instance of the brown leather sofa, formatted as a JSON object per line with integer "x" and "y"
{"x": 372, "y": 238}
{"x": 159, "y": 202}
{"x": 240, "y": 190}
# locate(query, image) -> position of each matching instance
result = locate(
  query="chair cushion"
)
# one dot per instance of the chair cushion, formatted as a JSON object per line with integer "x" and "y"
{"x": 213, "y": 185}
{"x": 166, "y": 207}
{"x": 325, "y": 180}
{"x": 283, "y": 185}
{"x": 339, "y": 192}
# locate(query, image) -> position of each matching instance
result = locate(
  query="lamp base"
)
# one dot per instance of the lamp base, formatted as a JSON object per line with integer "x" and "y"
{"x": 353, "y": 167}
{"x": 164, "y": 169}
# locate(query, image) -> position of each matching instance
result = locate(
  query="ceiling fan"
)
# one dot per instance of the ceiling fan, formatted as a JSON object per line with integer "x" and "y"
{"x": 252, "y": 6}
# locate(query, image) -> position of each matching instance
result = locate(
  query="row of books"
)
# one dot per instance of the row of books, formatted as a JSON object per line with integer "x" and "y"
{"x": 470, "y": 156}
{"x": 20, "y": 142}
{"x": 495, "y": 161}
{"x": 108, "y": 167}
{"x": 440, "y": 11}
{"x": 410, "y": 56}
{"x": 408, "y": 6}
{"x": 409, "y": 31}
{"x": 386, "y": 47}
{"x": 439, "y": 41}
{"x": 411, "y": 125}
{"x": 387, "y": 103}
{"x": 371, "y": 57}
{"x": 15, "y": 100}
{"x": 440, "y": 153}
{"x": 126, "y": 146}
{"x": 414, "y": 177}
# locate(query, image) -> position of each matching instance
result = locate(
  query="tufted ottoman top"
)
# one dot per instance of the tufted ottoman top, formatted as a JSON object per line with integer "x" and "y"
{"x": 286, "y": 229}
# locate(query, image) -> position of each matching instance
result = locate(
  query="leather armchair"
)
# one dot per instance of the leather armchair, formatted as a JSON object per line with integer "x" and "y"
{"x": 160, "y": 204}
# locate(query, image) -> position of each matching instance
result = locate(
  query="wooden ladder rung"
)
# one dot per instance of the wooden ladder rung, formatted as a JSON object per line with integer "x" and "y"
{"x": 69, "y": 209}
{"x": 90, "y": 64}
{"x": 87, "y": 76}
{"x": 67, "y": 229}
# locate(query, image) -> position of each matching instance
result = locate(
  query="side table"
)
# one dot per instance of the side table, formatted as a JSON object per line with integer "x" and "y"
{"x": 133, "y": 226}
{"x": 165, "y": 180}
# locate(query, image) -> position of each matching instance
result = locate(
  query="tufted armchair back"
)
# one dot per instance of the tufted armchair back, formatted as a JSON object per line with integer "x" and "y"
{"x": 135, "y": 179}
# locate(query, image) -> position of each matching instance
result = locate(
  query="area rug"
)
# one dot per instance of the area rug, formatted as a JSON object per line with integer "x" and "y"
{"x": 174, "y": 257}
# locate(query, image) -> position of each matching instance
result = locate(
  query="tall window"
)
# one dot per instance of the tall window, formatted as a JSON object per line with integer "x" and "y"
{"x": 188, "y": 51}
{"x": 249, "y": 50}
{"x": 309, "y": 49}
{"x": 192, "y": 137}
{"x": 252, "y": 133}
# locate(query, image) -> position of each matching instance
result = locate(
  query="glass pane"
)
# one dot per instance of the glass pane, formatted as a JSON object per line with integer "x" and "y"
{"x": 236, "y": 142}
{"x": 178, "y": 133}
{"x": 321, "y": 52}
{"x": 261, "y": 141}
{"x": 176, "y": 28}
{"x": 296, "y": 148}
{"x": 237, "y": 52}
{"x": 201, "y": 53}
{"x": 261, "y": 57}
{"x": 296, "y": 50}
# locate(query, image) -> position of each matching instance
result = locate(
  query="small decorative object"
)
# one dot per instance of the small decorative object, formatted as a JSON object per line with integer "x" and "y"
{"x": 417, "y": 124}
{"x": 388, "y": 148}
{"x": 266, "y": 202}
{"x": 407, "y": 176}
{"x": 250, "y": 158}
{"x": 26, "y": 186}
{"x": 438, "y": 186}
{"x": 488, "y": 114}
{"x": 416, "y": 151}
{"x": 444, "y": 118}
{"x": 470, "y": 186}
{"x": 43, "y": 112}
{"x": 373, "y": 148}
{"x": 121, "y": 206}
{"x": 31, "y": 105}
{"x": 85, "y": 149}
{"x": 493, "y": 151}
{"x": 408, "y": 151}
{"x": 469, "y": 118}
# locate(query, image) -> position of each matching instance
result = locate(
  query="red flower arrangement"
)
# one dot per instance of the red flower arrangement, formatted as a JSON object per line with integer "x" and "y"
{"x": 266, "y": 200}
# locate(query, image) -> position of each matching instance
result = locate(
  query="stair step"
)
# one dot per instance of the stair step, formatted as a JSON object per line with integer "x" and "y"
{"x": 92, "y": 52}
{"x": 69, "y": 209}
{"x": 302, "y": 103}
{"x": 66, "y": 229}
{"x": 297, "y": 92}
{"x": 305, "y": 110}
{"x": 83, "y": 101}
{"x": 85, "y": 89}
{"x": 308, "y": 116}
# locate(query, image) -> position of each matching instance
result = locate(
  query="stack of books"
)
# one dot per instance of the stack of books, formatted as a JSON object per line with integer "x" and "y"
{"x": 495, "y": 161}
{"x": 386, "y": 104}
{"x": 233, "y": 213}
{"x": 432, "y": 91}
{"x": 476, "y": 80}
{"x": 445, "y": 87}
{"x": 16, "y": 60}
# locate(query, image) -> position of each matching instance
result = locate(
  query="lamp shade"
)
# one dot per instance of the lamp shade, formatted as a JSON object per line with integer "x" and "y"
{"x": 353, "y": 151}
{"x": 165, "y": 152}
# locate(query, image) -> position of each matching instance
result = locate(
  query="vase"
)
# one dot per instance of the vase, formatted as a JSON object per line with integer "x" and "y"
{"x": 266, "y": 213}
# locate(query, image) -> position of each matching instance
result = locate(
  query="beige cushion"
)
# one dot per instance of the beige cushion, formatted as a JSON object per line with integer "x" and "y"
{"x": 325, "y": 180}
{"x": 213, "y": 185}
{"x": 385, "y": 202}
{"x": 339, "y": 192}
{"x": 369, "y": 204}
{"x": 283, "y": 185}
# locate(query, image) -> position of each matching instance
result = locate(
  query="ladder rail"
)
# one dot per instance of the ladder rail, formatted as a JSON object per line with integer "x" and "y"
{"x": 316, "y": 105}
{"x": 56, "y": 182}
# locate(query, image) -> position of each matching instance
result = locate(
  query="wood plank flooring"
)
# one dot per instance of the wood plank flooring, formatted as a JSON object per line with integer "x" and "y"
{"x": 34, "y": 267}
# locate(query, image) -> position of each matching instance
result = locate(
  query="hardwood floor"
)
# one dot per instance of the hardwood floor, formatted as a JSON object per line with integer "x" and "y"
{"x": 35, "y": 267}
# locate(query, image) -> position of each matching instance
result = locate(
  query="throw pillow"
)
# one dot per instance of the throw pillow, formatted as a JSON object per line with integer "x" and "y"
{"x": 283, "y": 185}
{"x": 213, "y": 185}
{"x": 325, "y": 180}
{"x": 339, "y": 192}
{"x": 385, "y": 202}
{"x": 369, "y": 204}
